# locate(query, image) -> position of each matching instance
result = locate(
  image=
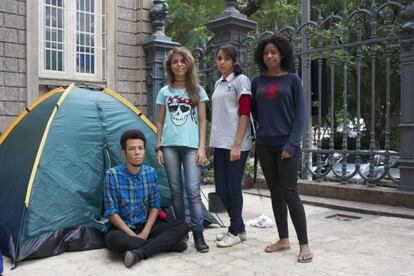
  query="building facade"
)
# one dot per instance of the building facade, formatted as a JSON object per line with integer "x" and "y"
{"x": 50, "y": 43}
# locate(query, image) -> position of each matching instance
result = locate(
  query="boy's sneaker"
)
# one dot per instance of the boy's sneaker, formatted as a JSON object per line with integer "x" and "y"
{"x": 228, "y": 240}
{"x": 133, "y": 256}
{"x": 220, "y": 236}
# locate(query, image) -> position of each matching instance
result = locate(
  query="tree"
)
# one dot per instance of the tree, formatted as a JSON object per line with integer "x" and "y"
{"x": 186, "y": 20}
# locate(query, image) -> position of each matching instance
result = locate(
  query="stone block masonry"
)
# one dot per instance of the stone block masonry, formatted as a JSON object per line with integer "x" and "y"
{"x": 12, "y": 60}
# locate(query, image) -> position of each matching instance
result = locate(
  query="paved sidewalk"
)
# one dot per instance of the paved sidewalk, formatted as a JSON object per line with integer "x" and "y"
{"x": 370, "y": 245}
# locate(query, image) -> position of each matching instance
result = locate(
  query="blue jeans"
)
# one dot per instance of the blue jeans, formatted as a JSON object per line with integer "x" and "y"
{"x": 174, "y": 157}
{"x": 228, "y": 176}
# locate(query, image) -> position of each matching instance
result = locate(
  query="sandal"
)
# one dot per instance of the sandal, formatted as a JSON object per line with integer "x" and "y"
{"x": 305, "y": 258}
{"x": 274, "y": 247}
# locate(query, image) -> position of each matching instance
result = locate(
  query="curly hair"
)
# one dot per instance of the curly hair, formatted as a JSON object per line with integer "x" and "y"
{"x": 192, "y": 82}
{"x": 285, "y": 49}
{"x": 231, "y": 51}
{"x": 131, "y": 134}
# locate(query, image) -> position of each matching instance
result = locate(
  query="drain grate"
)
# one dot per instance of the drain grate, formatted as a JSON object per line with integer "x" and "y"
{"x": 343, "y": 217}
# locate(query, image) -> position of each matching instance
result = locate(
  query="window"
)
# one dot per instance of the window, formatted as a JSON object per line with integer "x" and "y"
{"x": 72, "y": 39}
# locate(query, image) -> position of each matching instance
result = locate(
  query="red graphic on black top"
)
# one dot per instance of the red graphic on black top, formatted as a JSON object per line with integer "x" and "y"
{"x": 273, "y": 90}
{"x": 179, "y": 109}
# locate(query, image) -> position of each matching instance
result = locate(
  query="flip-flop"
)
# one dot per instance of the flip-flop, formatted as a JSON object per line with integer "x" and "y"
{"x": 307, "y": 260}
{"x": 274, "y": 247}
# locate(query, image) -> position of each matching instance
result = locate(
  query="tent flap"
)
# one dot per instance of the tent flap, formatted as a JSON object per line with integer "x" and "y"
{"x": 17, "y": 155}
{"x": 53, "y": 243}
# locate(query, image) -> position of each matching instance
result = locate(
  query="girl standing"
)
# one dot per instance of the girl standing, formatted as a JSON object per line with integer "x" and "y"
{"x": 278, "y": 106}
{"x": 230, "y": 137}
{"x": 181, "y": 136}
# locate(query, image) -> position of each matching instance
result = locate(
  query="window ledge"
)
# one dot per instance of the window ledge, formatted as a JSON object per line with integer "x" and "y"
{"x": 57, "y": 82}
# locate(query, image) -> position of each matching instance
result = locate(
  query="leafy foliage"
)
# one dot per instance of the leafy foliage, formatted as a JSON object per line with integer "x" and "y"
{"x": 186, "y": 21}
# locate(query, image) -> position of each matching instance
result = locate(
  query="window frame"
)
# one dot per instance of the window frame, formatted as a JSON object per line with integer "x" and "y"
{"x": 69, "y": 48}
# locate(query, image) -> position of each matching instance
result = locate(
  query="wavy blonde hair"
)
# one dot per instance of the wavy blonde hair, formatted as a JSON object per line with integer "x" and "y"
{"x": 192, "y": 82}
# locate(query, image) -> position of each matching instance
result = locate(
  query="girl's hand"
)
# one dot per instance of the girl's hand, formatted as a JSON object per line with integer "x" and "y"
{"x": 285, "y": 155}
{"x": 200, "y": 156}
{"x": 160, "y": 158}
{"x": 235, "y": 153}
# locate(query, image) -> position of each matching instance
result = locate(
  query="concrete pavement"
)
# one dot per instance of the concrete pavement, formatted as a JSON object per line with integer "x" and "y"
{"x": 343, "y": 243}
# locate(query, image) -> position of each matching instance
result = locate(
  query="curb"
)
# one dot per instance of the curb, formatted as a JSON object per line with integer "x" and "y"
{"x": 350, "y": 206}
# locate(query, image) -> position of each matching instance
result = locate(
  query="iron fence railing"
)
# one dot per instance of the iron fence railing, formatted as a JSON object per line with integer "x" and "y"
{"x": 350, "y": 68}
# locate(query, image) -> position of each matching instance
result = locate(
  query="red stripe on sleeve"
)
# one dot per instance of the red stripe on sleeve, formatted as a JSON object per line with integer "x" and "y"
{"x": 244, "y": 105}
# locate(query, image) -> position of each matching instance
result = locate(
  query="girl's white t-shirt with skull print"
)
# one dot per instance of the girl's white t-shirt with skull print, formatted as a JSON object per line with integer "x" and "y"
{"x": 181, "y": 126}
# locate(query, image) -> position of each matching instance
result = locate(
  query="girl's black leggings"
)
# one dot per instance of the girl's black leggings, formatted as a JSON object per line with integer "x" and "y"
{"x": 281, "y": 177}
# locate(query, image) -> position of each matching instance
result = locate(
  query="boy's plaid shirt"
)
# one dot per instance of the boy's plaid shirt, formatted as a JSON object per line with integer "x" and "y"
{"x": 130, "y": 196}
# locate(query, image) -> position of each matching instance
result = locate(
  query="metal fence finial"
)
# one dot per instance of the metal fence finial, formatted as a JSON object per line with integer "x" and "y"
{"x": 320, "y": 20}
{"x": 407, "y": 18}
{"x": 276, "y": 28}
{"x": 157, "y": 13}
{"x": 374, "y": 6}
{"x": 231, "y": 6}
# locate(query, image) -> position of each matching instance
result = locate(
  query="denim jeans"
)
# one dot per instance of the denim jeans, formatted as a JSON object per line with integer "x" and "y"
{"x": 228, "y": 176}
{"x": 174, "y": 157}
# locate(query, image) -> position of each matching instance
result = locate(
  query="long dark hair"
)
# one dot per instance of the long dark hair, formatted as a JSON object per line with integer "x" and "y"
{"x": 192, "y": 82}
{"x": 285, "y": 49}
{"x": 231, "y": 51}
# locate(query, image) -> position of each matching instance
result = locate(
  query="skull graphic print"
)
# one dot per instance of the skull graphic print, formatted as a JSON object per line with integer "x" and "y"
{"x": 179, "y": 109}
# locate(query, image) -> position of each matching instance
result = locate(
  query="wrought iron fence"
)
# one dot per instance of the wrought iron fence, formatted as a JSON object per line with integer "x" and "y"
{"x": 350, "y": 68}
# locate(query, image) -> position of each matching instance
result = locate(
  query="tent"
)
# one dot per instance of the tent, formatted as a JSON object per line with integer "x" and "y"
{"x": 53, "y": 158}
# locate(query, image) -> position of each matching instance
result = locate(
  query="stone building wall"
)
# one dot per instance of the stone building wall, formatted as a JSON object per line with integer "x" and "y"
{"x": 132, "y": 28}
{"x": 128, "y": 25}
{"x": 12, "y": 60}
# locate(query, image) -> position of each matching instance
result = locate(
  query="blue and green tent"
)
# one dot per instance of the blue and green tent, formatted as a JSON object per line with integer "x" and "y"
{"x": 53, "y": 158}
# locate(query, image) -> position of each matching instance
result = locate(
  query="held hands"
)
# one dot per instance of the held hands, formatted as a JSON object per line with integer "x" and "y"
{"x": 200, "y": 156}
{"x": 143, "y": 235}
{"x": 285, "y": 155}
{"x": 235, "y": 153}
{"x": 132, "y": 234}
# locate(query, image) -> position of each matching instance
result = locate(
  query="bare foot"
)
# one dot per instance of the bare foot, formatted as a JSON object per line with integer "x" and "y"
{"x": 280, "y": 245}
{"x": 305, "y": 255}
